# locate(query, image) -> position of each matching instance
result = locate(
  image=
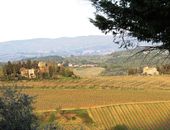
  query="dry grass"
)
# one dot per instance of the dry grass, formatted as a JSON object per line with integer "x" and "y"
{"x": 114, "y": 82}
{"x": 88, "y": 72}
{"x": 49, "y": 99}
{"x": 88, "y": 92}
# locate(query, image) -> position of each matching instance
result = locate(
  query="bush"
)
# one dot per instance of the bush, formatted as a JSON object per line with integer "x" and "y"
{"x": 16, "y": 111}
{"x": 164, "y": 69}
{"x": 52, "y": 117}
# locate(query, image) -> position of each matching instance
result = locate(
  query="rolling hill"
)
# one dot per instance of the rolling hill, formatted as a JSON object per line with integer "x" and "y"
{"x": 84, "y": 45}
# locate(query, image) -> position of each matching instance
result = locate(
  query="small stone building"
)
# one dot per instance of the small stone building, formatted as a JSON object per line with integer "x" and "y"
{"x": 31, "y": 73}
{"x": 150, "y": 71}
{"x": 28, "y": 73}
{"x": 43, "y": 67}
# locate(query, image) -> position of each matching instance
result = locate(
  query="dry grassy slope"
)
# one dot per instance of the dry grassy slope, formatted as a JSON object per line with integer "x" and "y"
{"x": 112, "y": 82}
{"x": 89, "y": 92}
{"x": 144, "y": 116}
{"x": 50, "y": 99}
{"x": 88, "y": 72}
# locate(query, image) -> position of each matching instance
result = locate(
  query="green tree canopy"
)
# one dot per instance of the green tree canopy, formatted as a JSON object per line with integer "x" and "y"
{"x": 146, "y": 20}
{"x": 16, "y": 111}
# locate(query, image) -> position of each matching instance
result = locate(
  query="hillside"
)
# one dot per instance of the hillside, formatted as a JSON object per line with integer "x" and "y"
{"x": 84, "y": 45}
{"x": 135, "y": 116}
{"x": 119, "y": 62}
{"x": 116, "y": 63}
{"x": 88, "y": 72}
{"x": 58, "y": 59}
{"x": 123, "y": 56}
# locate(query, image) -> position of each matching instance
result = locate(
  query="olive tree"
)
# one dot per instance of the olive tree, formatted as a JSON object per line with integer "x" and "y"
{"x": 16, "y": 110}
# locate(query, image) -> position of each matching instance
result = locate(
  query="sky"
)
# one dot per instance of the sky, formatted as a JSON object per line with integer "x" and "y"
{"x": 27, "y": 19}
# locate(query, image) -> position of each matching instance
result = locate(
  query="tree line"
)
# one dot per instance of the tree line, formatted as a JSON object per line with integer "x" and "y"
{"x": 12, "y": 70}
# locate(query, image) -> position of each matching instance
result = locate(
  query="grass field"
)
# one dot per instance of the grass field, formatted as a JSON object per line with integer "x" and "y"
{"x": 99, "y": 95}
{"x": 112, "y": 82}
{"x": 87, "y": 92}
{"x": 136, "y": 116}
{"x": 50, "y": 99}
{"x": 88, "y": 72}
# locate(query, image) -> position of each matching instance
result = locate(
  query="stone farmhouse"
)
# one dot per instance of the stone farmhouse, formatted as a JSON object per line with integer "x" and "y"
{"x": 43, "y": 67}
{"x": 150, "y": 71}
{"x": 28, "y": 73}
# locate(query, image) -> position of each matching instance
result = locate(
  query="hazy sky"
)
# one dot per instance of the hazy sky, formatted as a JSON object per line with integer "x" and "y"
{"x": 25, "y": 19}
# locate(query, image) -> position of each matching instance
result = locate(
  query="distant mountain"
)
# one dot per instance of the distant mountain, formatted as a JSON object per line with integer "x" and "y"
{"x": 85, "y": 45}
{"x": 65, "y": 46}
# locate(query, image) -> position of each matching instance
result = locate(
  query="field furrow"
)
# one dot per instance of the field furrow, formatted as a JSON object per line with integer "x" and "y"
{"x": 145, "y": 116}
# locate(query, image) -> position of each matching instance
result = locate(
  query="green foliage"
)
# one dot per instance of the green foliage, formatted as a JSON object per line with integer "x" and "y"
{"x": 16, "y": 111}
{"x": 68, "y": 72}
{"x": 52, "y": 117}
{"x": 82, "y": 113}
{"x": 120, "y": 127}
{"x": 55, "y": 59}
{"x": 147, "y": 20}
{"x": 64, "y": 71}
{"x": 80, "y": 60}
{"x": 45, "y": 75}
{"x": 11, "y": 70}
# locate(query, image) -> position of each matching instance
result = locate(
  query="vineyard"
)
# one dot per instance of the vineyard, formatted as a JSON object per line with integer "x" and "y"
{"x": 99, "y": 95}
{"x": 78, "y": 93}
{"x": 103, "y": 82}
{"x": 135, "y": 116}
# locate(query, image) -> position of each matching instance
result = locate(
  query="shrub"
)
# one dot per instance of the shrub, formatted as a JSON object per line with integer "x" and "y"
{"x": 52, "y": 117}
{"x": 16, "y": 111}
